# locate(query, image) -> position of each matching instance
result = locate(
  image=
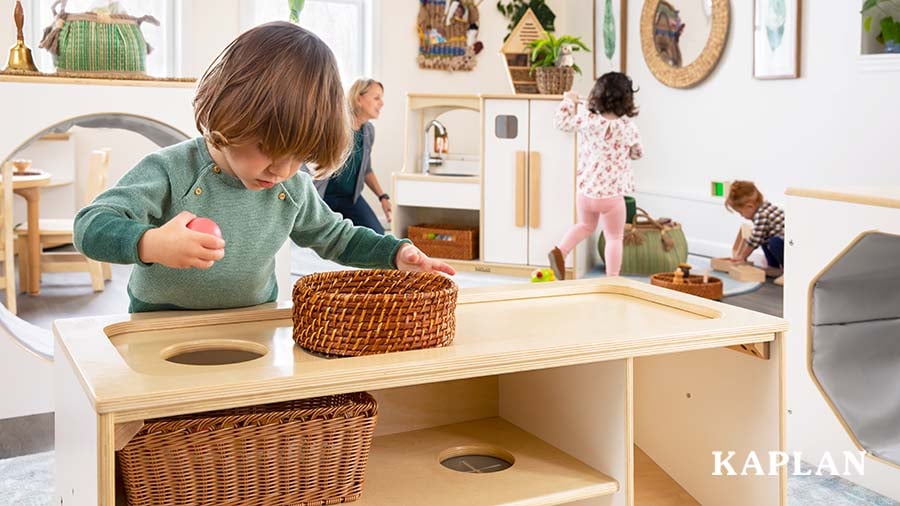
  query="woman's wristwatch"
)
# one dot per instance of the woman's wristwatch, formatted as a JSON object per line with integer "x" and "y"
{"x": 384, "y": 196}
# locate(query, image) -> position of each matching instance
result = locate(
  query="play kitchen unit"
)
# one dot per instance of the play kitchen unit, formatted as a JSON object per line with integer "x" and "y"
{"x": 502, "y": 210}
{"x": 542, "y": 397}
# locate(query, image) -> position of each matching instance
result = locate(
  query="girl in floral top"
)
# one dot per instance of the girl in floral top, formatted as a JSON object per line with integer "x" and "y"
{"x": 609, "y": 142}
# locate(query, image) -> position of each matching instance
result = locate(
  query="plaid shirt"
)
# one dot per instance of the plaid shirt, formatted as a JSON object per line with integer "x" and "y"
{"x": 768, "y": 221}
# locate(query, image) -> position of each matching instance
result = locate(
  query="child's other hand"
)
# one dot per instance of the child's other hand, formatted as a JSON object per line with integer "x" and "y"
{"x": 410, "y": 258}
{"x": 571, "y": 95}
{"x": 176, "y": 246}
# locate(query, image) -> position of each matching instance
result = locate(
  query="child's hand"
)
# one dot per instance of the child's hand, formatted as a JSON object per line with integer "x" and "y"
{"x": 571, "y": 95}
{"x": 176, "y": 246}
{"x": 410, "y": 258}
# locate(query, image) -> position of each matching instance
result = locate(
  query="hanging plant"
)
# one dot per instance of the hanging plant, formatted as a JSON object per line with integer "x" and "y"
{"x": 515, "y": 9}
{"x": 296, "y": 6}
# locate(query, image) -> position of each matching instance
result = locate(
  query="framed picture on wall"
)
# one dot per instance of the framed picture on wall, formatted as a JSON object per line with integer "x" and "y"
{"x": 609, "y": 36}
{"x": 776, "y": 39}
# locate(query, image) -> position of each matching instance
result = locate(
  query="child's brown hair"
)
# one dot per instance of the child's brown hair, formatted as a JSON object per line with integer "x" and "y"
{"x": 742, "y": 193}
{"x": 276, "y": 84}
{"x": 613, "y": 92}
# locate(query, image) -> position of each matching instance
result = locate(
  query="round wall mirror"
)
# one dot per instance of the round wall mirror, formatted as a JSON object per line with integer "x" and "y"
{"x": 682, "y": 40}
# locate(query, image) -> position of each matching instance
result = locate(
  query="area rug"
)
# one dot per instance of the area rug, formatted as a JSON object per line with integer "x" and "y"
{"x": 699, "y": 264}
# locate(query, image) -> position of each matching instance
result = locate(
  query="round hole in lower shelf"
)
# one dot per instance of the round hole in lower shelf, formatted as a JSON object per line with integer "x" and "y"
{"x": 214, "y": 352}
{"x": 479, "y": 459}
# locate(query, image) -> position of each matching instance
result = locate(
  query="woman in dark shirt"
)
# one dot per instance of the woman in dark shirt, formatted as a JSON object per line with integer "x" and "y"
{"x": 342, "y": 192}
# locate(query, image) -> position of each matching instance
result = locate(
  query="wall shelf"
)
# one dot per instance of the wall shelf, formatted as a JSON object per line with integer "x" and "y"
{"x": 150, "y": 82}
{"x": 884, "y": 62}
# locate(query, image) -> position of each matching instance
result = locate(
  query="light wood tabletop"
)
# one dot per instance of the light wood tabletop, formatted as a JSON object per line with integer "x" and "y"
{"x": 29, "y": 186}
{"x": 499, "y": 330}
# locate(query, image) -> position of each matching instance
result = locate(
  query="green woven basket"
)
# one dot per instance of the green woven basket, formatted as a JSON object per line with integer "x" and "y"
{"x": 97, "y": 43}
{"x": 650, "y": 246}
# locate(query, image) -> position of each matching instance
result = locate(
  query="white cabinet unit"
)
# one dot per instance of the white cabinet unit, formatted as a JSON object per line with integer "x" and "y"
{"x": 529, "y": 181}
{"x": 821, "y": 226}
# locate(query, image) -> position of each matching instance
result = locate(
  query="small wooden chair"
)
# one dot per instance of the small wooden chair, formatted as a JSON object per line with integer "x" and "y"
{"x": 58, "y": 232}
{"x": 7, "y": 238}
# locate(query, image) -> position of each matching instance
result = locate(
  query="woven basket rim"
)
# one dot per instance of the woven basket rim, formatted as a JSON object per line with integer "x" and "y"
{"x": 303, "y": 285}
{"x": 667, "y": 278}
{"x": 235, "y": 417}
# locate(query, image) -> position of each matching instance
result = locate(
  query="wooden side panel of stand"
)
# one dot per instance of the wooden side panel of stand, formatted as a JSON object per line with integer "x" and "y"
{"x": 582, "y": 410}
{"x": 688, "y": 405}
{"x": 77, "y": 430}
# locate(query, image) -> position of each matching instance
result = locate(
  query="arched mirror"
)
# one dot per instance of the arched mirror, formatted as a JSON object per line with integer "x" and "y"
{"x": 682, "y": 40}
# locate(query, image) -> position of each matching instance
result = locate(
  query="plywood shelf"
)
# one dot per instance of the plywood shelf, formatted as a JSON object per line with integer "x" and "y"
{"x": 405, "y": 469}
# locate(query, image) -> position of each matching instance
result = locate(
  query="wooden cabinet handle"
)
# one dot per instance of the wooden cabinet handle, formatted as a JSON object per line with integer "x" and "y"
{"x": 520, "y": 188}
{"x": 534, "y": 190}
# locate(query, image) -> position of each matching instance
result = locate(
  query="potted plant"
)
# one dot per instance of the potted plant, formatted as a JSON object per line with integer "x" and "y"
{"x": 553, "y": 61}
{"x": 888, "y": 29}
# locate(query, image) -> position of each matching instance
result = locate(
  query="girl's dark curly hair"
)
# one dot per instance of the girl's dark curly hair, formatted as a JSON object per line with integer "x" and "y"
{"x": 613, "y": 92}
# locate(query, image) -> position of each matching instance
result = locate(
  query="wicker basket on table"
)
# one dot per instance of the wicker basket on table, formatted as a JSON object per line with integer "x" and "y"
{"x": 692, "y": 284}
{"x": 364, "y": 312}
{"x": 306, "y": 452}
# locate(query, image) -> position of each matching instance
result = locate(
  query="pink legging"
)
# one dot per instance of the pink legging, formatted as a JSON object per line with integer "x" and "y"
{"x": 611, "y": 214}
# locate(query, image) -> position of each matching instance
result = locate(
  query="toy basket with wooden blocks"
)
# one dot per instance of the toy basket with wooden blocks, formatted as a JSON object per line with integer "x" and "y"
{"x": 364, "y": 312}
{"x": 457, "y": 242}
{"x": 708, "y": 287}
{"x": 310, "y": 451}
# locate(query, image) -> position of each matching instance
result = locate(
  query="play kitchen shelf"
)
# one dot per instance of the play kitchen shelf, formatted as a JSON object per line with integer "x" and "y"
{"x": 519, "y": 191}
{"x": 561, "y": 380}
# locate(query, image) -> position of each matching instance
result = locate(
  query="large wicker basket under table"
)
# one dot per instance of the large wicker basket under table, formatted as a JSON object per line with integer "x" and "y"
{"x": 364, "y": 312}
{"x": 694, "y": 285}
{"x": 306, "y": 452}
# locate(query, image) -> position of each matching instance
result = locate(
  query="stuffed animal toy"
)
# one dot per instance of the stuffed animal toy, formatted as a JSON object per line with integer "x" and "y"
{"x": 566, "y": 58}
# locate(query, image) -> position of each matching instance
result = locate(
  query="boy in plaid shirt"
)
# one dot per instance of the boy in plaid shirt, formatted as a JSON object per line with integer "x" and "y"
{"x": 768, "y": 226}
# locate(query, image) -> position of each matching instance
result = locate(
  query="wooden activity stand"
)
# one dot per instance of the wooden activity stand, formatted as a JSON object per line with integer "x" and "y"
{"x": 565, "y": 377}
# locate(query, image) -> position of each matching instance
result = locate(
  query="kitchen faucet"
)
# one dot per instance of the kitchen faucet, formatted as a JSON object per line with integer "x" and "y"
{"x": 429, "y": 159}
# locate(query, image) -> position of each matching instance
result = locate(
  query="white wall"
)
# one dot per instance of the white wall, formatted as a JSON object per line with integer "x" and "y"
{"x": 836, "y": 125}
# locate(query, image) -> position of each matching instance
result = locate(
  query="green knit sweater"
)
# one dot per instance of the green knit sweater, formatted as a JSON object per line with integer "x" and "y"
{"x": 254, "y": 225}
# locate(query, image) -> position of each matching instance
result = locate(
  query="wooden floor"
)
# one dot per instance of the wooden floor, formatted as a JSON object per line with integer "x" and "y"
{"x": 653, "y": 487}
{"x": 768, "y": 299}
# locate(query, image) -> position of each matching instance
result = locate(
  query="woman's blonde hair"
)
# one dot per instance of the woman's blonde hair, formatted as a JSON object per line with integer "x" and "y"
{"x": 277, "y": 85}
{"x": 360, "y": 88}
{"x": 742, "y": 193}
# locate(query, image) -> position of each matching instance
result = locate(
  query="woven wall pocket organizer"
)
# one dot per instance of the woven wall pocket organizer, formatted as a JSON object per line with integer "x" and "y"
{"x": 364, "y": 312}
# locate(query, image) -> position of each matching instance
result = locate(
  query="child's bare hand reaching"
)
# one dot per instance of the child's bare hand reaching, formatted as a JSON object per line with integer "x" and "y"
{"x": 176, "y": 246}
{"x": 410, "y": 258}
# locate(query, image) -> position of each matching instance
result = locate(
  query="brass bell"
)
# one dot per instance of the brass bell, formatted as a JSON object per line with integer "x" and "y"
{"x": 20, "y": 55}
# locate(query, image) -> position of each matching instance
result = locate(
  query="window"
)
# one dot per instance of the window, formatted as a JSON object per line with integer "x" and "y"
{"x": 345, "y": 25}
{"x": 161, "y": 62}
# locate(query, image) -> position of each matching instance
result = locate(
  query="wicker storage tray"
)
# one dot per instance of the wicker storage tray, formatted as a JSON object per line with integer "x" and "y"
{"x": 445, "y": 241}
{"x": 554, "y": 80}
{"x": 692, "y": 284}
{"x": 306, "y": 452}
{"x": 364, "y": 312}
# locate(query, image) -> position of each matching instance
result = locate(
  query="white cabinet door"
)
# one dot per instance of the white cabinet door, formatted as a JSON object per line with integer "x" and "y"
{"x": 551, "y": 180}
{"x": 504, "y": 179}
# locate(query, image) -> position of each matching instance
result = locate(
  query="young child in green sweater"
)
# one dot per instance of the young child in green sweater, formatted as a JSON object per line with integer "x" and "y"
{"x": 270, "y": 102}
